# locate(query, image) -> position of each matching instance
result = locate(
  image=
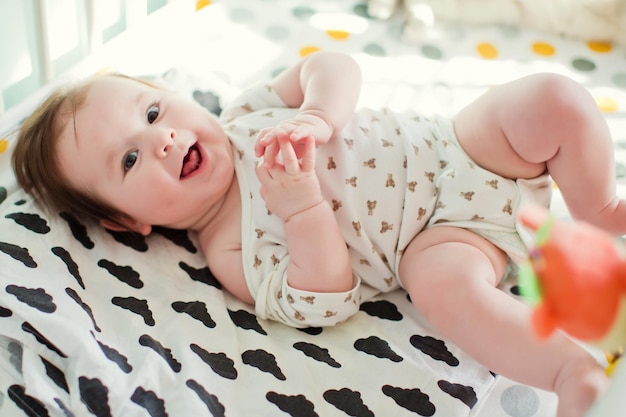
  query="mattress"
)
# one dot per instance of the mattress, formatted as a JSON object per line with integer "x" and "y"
{"x": 103, "y": 323}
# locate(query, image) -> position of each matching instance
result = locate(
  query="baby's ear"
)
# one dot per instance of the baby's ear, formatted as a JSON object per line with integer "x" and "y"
{"x": 127, "y": 225}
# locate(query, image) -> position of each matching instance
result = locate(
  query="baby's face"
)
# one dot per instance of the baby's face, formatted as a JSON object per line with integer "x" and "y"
{"x": 159, "y": 158}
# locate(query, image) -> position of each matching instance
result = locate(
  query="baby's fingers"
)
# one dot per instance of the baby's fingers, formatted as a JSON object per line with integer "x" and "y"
{"x": 270, "y": 154}
{"x": 290, "y": 160}
{"x": 308, "y": 157}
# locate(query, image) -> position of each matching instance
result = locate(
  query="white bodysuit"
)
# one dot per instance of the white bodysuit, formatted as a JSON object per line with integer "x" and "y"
{"x": 387, "y": 176}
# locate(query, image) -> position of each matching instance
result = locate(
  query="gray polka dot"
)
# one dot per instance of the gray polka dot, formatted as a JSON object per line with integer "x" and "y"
{"x": 374, "y": 49}
{"x": 15, "y": 357}
{"x": 520, "y": 401}
{"x": 241, "y": 15}
{"x": 451, "y": 31}
{"x": 619, "y": 79}
{"x": 302, "y": 12}
{"x": 432, "y": 52}
{"x": 277, "y": 33}
{"x": 583, "y": 64}
{"x": 361, "y": 10}
{"x": 509, "y": 31}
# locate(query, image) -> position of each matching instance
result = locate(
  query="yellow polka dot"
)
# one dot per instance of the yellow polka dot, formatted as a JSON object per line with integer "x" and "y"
{"x": 607, "y": 104}
{"x": 308, "y": 50}
{"x": 4, "y": 144}
{"x": 202, "y": 4}
{"x": 600, "y": 47}
{"x": 338, "y": 35}
{"x": 543, "y": 48}
{"x": 487, "y": 50}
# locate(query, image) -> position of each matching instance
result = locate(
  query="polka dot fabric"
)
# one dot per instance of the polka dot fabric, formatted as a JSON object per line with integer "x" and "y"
{"x": 107, "y": 324}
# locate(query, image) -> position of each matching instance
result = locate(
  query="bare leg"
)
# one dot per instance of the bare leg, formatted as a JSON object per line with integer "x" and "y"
{"x": 460, "y": 300}
{"x": 548, "y": 122}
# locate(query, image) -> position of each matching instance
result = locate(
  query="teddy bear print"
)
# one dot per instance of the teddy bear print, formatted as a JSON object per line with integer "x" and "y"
{"x": 493, "y": 184}
{"x": 370, "y": 163}
{"x": 385, "y": 227}
{"x": 371, "y": 205}
{"x": 468, "y": 195}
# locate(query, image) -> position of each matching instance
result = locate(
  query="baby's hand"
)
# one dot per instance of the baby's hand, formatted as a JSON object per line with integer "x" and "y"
{"x": 306, "y": 124}
{"x": 291, "y": 187}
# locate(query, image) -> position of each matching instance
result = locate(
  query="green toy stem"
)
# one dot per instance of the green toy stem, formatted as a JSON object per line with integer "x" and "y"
{"x": 529, "y": 284}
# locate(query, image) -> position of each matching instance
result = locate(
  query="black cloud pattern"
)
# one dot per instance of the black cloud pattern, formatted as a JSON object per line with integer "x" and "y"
{"x": 150, "y": 402}
{"x": 464, "y": 393}
{"x": 434, "y": 348}
{"x": 131, "y": 239}
{"x": 56, "y": 375}
{"x": 125, "y": 274}
{"x": 72, "y": 267}
{"x": 319, "y": 354}
{"x": 178, "y": 237}
{"x": 294, "y": 405}
{"x": 216, "y": 408}
{"x": 264, "y": 361}
{"x": 114, "y": 356}
{"x": 28, "y": 328}
{"x": 246, "y": 320}
{"x": 412, "y": 399}
{"x": 165, "y": 353}
{"x": 18, "y": 253}
{"x": 31, "y": 406}
{"x": 74, "y": 296}
{"x": 348, "y": 401}
{"x": 33, "y": 297}
{"x": 137, "y": 306}
{"x": 219, "y": 362}
{"x": 79, "y": 231}
{"x": 32, "y": 221}
{"x": 195, "y": 309}
{"x": 382, "y": 309}
{"x": 95, "y": 396}
{"x": 378, "y": 347}
{"x": 203, "y": 275}
{"x": 5, "y": 312}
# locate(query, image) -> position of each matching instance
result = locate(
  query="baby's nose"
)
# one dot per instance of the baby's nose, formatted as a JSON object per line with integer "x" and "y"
{"x": 167, "y": 141}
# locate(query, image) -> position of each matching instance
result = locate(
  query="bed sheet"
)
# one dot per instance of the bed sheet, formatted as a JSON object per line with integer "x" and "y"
{"x": 108, "y": 324}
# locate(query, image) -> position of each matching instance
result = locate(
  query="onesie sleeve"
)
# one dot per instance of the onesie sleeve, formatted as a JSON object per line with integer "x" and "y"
{"x": 276, "y": 300}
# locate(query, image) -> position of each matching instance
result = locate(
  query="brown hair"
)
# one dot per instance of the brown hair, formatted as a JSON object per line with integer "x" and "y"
{"x": 35, "y": 160}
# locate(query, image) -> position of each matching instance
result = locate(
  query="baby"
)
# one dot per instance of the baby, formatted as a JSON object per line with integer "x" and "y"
{"x": 304, "y": 207}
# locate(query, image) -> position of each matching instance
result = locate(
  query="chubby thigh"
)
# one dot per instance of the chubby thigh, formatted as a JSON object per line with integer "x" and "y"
{"x": 442, "y": 256}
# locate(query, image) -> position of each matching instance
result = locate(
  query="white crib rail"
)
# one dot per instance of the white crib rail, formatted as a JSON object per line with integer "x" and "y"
{"x": 22, "y": 72}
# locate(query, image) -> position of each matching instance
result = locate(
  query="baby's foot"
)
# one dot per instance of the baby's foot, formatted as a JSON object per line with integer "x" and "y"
{"x": 578, "y": 385}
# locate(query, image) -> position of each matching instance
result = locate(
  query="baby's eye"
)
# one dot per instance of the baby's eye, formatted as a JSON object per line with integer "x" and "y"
{"x": 129, "y": 160}
{"x": 152, "y": 113}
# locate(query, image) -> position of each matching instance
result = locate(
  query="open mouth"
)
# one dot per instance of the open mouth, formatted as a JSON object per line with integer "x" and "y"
{"x": 192, "y": 161}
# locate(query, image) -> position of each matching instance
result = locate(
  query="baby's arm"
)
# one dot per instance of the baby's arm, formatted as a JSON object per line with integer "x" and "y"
{"x": 319, "y": 260}
{"x": 325, "y": 86}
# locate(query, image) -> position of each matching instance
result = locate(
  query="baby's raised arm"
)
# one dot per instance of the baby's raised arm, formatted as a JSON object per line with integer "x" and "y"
{"x": 325, "y": 86}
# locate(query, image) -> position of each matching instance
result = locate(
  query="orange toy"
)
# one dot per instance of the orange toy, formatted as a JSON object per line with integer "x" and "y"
{"x": 577, "y": 276}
